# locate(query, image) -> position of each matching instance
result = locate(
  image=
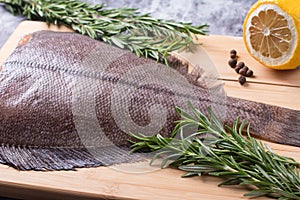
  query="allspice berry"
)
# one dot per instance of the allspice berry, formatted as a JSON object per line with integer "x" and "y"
{"x": 242, "y": 80}
{"x": 237, "y": 69}
{"x": 241, "y": 65}
{"x": 249, "y": 73}
{"x": 243, "y": 71}
{"x": 232, "y": 63}
{"x": 233, "y": 54}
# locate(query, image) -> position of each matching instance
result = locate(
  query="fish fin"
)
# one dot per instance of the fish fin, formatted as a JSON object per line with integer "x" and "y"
{"x": 192, "y": 73}
{"x": 57, "y": 158}
{"x": 178, "y": 64}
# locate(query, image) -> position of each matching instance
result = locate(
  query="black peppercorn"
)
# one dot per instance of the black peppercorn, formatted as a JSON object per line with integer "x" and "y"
{"x": 232, "y": 63}
{"x": 241, "y": 65}
{"x": 233, "y": 56}
{"x": 237, "y": 69}
{"x": 242, "y": 80}
{"x": 233, "y": 52}
{"x": 249, "y": 73}
{"x": 243, "y": 71}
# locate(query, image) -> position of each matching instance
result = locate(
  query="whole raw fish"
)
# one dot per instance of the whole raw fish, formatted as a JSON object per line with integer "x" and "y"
{"x": 67, "y": 100}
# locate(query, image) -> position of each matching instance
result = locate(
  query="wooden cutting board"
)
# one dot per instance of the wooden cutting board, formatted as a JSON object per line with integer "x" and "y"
{"x": 268, "y": 86}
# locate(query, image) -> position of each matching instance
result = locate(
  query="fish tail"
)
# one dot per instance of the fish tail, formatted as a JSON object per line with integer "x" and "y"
{"x": 284, "y": 128}
{"x": 268, "y": 122}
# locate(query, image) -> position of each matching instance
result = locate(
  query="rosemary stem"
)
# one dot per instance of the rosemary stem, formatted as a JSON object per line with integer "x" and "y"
{"x": 239, "y": 160}
{"x": 123, "y": 27}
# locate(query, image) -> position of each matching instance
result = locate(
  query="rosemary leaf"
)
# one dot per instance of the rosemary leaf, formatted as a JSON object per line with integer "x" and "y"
{"x": 238, "y": 159}
{"x": 123, "y": 27}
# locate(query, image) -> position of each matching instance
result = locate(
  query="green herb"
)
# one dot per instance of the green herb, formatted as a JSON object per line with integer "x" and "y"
{"x": 123, "y": 27}
{"x": 225, "y": 153}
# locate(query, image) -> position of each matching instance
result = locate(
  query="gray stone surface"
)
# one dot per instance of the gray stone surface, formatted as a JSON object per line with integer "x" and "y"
{"x": 8, "y": 23}
{"x": 225, "y": 17}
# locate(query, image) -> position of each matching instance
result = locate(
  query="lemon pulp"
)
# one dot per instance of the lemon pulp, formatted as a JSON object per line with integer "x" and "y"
{"x": 271, "y": 36}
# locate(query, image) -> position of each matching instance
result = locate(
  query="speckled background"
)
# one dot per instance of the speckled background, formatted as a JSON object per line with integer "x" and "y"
{"x": 225, "y": 17}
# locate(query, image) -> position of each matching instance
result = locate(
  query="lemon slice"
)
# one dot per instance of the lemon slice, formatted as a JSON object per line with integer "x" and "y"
{"x": 271, "y": 33}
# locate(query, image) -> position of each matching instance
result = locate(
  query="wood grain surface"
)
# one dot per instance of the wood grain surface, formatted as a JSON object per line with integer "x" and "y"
{"x": 268, "y": 86}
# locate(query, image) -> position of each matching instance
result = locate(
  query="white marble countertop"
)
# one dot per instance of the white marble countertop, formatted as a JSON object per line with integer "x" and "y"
{"x": 225, "y": 17}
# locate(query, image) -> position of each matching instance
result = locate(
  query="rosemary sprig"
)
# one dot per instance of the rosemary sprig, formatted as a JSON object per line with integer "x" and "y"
{"x": 225, "y": 153}
{"x": 123, "y": 27}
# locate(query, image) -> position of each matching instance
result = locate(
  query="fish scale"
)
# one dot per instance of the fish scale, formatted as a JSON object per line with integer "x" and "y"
{"x": 69, "y": 101}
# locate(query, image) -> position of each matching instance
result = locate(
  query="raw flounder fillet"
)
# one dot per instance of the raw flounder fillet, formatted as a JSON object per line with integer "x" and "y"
{"x": 69, "y": 101}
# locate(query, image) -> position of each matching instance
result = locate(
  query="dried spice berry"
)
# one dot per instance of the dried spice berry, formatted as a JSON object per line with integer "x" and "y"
{"x": 241, "y": 65}
{"x": 242, "y": 80}
{"x": 233, "y": 52}
{"x": 249, "y": 73}
{"x": 243, "y": 71}
{"x": 237, "y": 69}
{"x": 233, "y": 56}
{"x": 232, "y": 63}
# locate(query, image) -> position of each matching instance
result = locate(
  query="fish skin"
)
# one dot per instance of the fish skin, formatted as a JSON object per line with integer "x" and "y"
{"x": 64, "y": 91}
